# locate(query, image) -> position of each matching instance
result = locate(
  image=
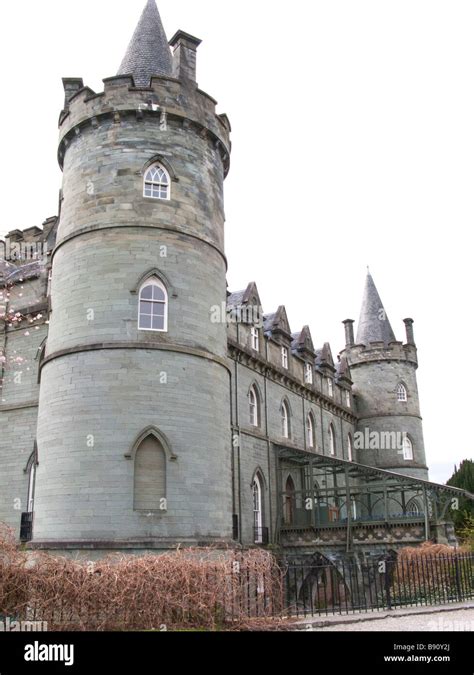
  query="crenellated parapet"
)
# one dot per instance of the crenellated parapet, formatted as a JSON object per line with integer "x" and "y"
{"x": 166, "y": 102}
{"x": 379, "y": 351}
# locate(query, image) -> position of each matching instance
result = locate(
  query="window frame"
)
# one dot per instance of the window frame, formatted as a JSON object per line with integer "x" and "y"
{"x": 402, "y": 393}
{"x": 308, "y": 374}
{"x": 254, "y": 407}
{"x": 285, "y": 420}
{"x": 408, "y": 450}
{"x": 255, "y": 339}
{"x": 332, "y": 440}
{"x": 310, "y": 431}
{"x": 153, "y": 281}
{"x": 350, "y": 448}
{"x": 152, "y": 183}
{"x": 285, "y": 358}
{"x": 330, "y": 387}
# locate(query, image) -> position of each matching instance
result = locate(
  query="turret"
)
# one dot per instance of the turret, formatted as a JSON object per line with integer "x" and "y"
{"x": 383, "y": 370}
{"x": 134, "y": 419}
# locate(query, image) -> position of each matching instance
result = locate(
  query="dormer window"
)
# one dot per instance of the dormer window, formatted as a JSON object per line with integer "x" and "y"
{"x": 330, "y": 387}
{"x": 402, "y": 394}
{"x": 157, "y": 183}
{"x": 308, "y": 373}
{"x": 255, "y": 339}
{"x": 284, "y": 358}
{"x": 348, "y": 399}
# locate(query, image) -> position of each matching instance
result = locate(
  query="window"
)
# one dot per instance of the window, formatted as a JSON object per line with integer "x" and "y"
{"x": 150, "y": 476}
{"x": 255, "y": 339}
{"x": 310, "y": 440}
{"x": 290, "y": 501}
{"x": 330, "y": 387}
{"x": 31, "y": 486}
{"x": 153, "y": 312}
{"x": 348, "y": 399}
{"x": 402, "y": 393}
{"x": 157, "y": 183}
{"x": 350, "y": 448}
{"x": 257, "y": 509}
{"x": 308, "y": 373}
{"x": 284, "y": 358}
{"x": 254, "y": 406}
{"x": 332, "y": 440}
{"x": 407, "y": 449}
{"x": 285, "y": 420}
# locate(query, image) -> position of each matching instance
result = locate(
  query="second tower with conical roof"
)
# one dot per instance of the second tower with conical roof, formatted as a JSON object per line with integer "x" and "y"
{"x": 389, "y": 430}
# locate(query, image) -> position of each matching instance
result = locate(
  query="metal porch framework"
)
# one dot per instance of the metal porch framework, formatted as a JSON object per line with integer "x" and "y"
{"x": 333, "y": 493}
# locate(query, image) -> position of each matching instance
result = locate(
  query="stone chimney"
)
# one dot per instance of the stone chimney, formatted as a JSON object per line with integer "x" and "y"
{"x": 184, "y": 48}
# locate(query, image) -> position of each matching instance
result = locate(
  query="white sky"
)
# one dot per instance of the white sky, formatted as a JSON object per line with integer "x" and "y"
{"x": 353, "y": 141}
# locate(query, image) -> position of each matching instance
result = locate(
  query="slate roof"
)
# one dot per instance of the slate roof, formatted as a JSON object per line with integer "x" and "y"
{"x": 148, "y": 53}
{"x": 374, "y": 325}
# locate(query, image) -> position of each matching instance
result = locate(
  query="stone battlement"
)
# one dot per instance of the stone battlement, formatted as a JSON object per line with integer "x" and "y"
{"x": 167, "y": 98}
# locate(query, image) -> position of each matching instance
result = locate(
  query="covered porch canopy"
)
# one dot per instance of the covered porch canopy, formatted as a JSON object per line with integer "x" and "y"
{"x": 320, "y": 491}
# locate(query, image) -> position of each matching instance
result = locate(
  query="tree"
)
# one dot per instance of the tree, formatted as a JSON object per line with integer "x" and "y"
{"x": 463, "y": 478}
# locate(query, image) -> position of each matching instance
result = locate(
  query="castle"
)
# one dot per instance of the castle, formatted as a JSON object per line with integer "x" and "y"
{"x": 143, "y": 405}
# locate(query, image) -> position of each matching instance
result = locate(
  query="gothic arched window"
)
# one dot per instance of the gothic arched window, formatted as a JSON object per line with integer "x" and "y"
{"x": 153, "y": 311}
{"x": 285, "y": 420}
{"x": 350, "y": 448}
{"x": 332, "y": 440}
{"x": 254, "y": 406}
{"x": 407, "y": 449}
{"x": 257, "y": 498}
{"x": 402, "y": 393}
{"x": 150, "y": 476}
{"x": 310, "y": 437}
{"x": 157, "y": 184}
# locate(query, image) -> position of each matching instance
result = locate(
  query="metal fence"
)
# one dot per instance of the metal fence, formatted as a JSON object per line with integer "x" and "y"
{"x": 342, "y": 588}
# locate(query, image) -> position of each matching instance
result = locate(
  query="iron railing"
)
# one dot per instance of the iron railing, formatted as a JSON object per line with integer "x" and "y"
{"x": 342, "y": 588}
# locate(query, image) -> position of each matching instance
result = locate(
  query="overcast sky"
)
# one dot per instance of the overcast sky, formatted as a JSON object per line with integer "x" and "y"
{"x": 353, "y": 145}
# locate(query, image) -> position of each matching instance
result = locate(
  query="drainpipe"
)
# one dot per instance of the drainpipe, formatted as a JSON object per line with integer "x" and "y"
{"x": 237, "y": 423}
{"x": 270, "y": 510}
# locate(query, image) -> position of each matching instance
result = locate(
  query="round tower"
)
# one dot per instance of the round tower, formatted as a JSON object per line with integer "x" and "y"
{"x": 134, "y": 413}
{"x": 390, "y": 431}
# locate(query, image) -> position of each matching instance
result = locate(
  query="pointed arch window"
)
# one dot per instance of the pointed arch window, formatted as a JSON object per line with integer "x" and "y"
{"x": 402, "y": 394}
{"x": 285, "y": 420}
{"x": 407, "y": 449}
{"x": 332, "y": 440}
{"x": 150, "y": 476}
{"x": 350, "y": 448}
{"x": 153, "y": 310}
{"x": 257, "y": 495}
{"x": 310, "y": 435}
{"x": 254, "y": 406}
{"x": 157, "y": 183}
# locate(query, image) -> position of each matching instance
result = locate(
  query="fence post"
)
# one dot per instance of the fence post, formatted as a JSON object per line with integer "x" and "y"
{"x": 458, "y": 580}
{"x": 388, "y": 577}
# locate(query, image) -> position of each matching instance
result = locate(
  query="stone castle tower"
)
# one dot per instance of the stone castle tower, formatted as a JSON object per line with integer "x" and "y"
{"x": 134, "y": 378}
{"x": 385, "y": 386}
